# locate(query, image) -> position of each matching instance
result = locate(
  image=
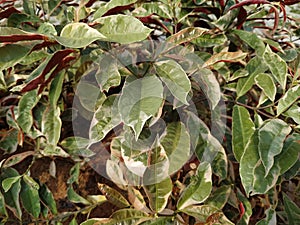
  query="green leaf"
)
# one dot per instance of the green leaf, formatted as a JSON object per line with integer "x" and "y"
{"x": 175, "y": 78}
{"x": 136, "y": 199}
{"x": 227, "y": 19}
{"x": 252, "y": 40}
{"x": 176, "y": 144}
{"x": 270, "y": 218}
{"x": 73, "y": 221}
{"x": 186, "y": 35}
{"x": 158, "y": 194}
{"x": 294, "y": 113}
{"x": 30, "y": 196}
{"x": 27, "y": 102}
{"x": 108, "y": 74}
{"x": 110, "y": 5}
{"x": 11, "y": 54}
{"x": 8, "y": 182}
{"x": 289, "y": 154}
{"x": 17, "y": 158}
{"x": 55, "y": 89}
{"x": 203, "y": 212}
{"x": 219, "y": 197}
{"x": 225, "y": 57}
{"x": 128, "y": 216}
{"x": 159, "y": 221}
{"x": 209, "y": 85}
{"x": 78, "y": 35}
{"x": 242, "y": 130}
{"x": 271, "y": 137}
{"x": 47, "y": 198}
{"x": 51, "y": 124}
{"x": 288, "y": 99}
{"x": 113, "y": 196}
{"x": 247, "y": 207}
{"x": 76, "y": 198}
{"x": 98, "y": 221}
{"x": 292, "y": 210}
{"x": 277, "y": 66}
{"x": 139, "y": 101}
{"x": 3, "y": 212}
{"x": 210, "y": 40}
{"x": 199, "y": 189}
{"x": 12, "y": 195}
{"x": 266, "y": 83}
{"x": 248, "y": 163}
{"x": 74, "y": 174}
{"x": 9, "y": 142}
{"x": 96, "y": 199}
{"x": 115, "y": 172}
{"x": 122, "y": 29}
{"x": 105, "y": 119}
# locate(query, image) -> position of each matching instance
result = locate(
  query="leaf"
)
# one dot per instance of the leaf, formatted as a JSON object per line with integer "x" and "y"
{"x": 210, "y": 40}
{"x": 17, "y": 158}
{"x": 98, "y": 221}
{"x": 225, "y": 57}
{"x": 289, "y": 154}
{"x": 76, "y": 198}
{"x": 3, "y": 212}
{"x": 271, "y": 137}
{"x": 139, "y": 101}
{"x": 161, "y": 220}
{"x": 96, "y": 199}
{"x": 11, "y": 54}
{"x": 246, "y": 215}
{"x": 9, "y": 142}
{"x": 30, "y": 196}
{"x": 8, "y": 182}
{"x": 115, "y": 173}
{"x": 203, "y": 212}
{"x": 51, "y": 124}
{"x": 55, "y": 89}
{"x": 158, "y": 194}
{"x": 266, "y": 83}
{"x": 27, "y": 102}
{"x": 248, "y": 163}
{"x": 277, "y": 66}
{"x": 294, "y": 113}
{"x": 78, "y": 35}
{"x": 122, "y": 29}
{"x": 252, "y": 40}
{"x": 12, "y": 195}
{"x": 199, "y": 189}
{"x": 74, "y": 174}
{"x": 175, "y": 78}
{"x": 219, "y": 197}
{"x": 186, "y": 35}
{"x": 209, "y": 85}
{"x": 47, "y": 198}
{"x": 110, "y": 5}
{"x": 128, "y": 216}
{"x": 176, "y": 144}
{"x": 136, "y": 199}
{"x": 113, "y": 196}
{"x": 288, "y": 99}
{"x": 242, "y": 130}
{"x": 226, "y": 20}
{"x": 105, "y": 119}
{"x": 292, "y": 210}
{"x": 270, "y": 218}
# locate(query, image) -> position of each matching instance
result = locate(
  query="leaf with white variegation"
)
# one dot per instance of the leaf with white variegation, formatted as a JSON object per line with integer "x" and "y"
{"x": 266, "y": 84}
{"x": 123, "y": 29}
{"x": 271, "y": 138}
{"x": 199, "y": 189}
{"x": 225, "y": 57}
{"x": 139, "y": 101}
{"x": 288, "y": 99}
{"x": 277, "y": 66}
{"x": 51, "y": 124}
{"x": 242, "y": 130}
{"x": 270, "y": 218}
{"x": 78, "y": 35}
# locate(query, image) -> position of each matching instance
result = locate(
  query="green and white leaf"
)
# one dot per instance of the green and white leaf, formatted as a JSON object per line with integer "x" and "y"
{"x": 51, "y": 124}
{"x": 266, "y": 84}
{"x": 288, "y": 99}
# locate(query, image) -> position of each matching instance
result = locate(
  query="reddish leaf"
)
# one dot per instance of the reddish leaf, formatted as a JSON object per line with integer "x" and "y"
{"x": 242, "y": 17}
{"x": 149, "y": 19}
{"x": 21, "y": 37}
{"x": 55, "y": 60}
{"x": 118, "y": 9}
{"x": 6, "y": 13}
{"x": 291, "y": 2}
{"x": 44, "y": 44}
{"x": 276, "y": 18}
{"x": 248, "y": 2}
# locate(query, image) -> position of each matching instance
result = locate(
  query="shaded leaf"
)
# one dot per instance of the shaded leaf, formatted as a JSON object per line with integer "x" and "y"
{"x": 8, "y": 182}
{"x": 271, "y": 137}
{"x": 270, "y": 218}
{"x": 245, "y": 216}
{"x": 9, "y": 141}
{"x": 55, "y": 89}
{"x": 292, "y": 210}
{"x": 3, "y": 212}
{"x": 11, "y": 54}
{"x": 17, "y": 158}
{"x": 242, "y": 130}
{"x": 210, "y": 40}
{"x": 199, "y": 189}
{"x": 175, "y": 78}
{"x": 47, "y": 198}
{"x": 76, "y": 198}
{"x": 128, "y": 29}
{"x": 78, "y": 35}
{"x": 219, "y": 197}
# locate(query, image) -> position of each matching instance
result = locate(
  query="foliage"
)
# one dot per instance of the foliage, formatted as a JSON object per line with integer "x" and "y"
{"x": 199, "y": 124}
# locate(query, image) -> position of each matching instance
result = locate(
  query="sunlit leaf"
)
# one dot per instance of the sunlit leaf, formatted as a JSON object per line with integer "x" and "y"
{"x": 186, "y": 35}
{"x": 51, "y": 124}
{"x": 277, "y": 66}
{"x": 76, "y": 198}
{"x": 225, "y": 57}
{"x": 113, "y": 196}
{"x": 288, "y": 99}
{"x": 122, "y": 29}
{"x": 199, "y": 189}
{"x": 242, "y": 130}
{"x": 266, "y": 83}
{"x": 128, "y": 216}
{"x": 175, "y": 78}
{"x": 78, "y": 35}
{"x": 210, "y": 40}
